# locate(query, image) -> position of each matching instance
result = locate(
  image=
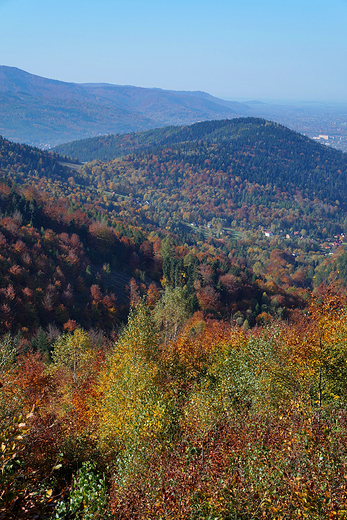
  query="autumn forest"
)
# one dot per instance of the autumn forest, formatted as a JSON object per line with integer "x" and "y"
{"x": 173, "y": 333}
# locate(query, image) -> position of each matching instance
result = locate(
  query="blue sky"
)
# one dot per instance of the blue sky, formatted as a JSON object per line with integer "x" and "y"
{"x": 245, "y": 49}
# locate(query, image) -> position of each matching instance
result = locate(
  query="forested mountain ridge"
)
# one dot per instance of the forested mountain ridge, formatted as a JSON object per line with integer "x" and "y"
{"x": 242, "y": 129}
{"x": 255, "y": 150}
{"x": 261, "y": 166}
{"x": 108, "y": 147}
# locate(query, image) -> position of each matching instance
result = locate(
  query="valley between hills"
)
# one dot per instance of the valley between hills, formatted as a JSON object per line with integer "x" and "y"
{"x": 173, "y": 321}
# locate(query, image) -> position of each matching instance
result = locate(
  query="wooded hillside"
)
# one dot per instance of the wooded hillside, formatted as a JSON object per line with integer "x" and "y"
{"x": 173, "y": 329}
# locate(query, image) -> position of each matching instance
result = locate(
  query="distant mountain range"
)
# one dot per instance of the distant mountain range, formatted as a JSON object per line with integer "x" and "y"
{"x": 45, "y": 112}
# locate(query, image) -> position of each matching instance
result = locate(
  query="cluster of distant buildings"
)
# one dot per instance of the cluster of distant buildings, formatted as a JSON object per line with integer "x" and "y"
{"x": 336, "y": 141}
{"x": 339, "y": 239}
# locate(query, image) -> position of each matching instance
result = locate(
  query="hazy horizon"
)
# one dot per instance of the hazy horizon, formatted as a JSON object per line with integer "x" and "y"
{"x": 268, "y": 51}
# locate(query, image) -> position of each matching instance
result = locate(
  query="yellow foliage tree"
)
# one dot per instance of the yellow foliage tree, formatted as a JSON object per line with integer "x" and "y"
{"x": 72, "y": 353}
{"x": 130, "y": 408}
{"x": 324, "y": 348}
{"x": 73, "y": 373}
